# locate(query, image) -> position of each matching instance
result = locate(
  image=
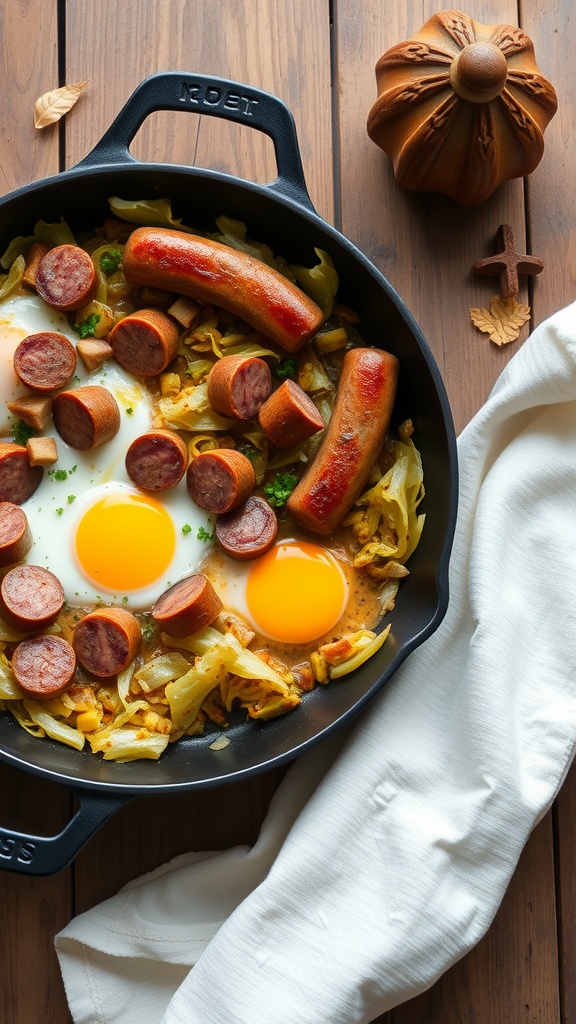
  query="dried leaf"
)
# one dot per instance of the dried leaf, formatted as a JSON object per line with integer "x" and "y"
{"x": 503, "y": 321}
{"x": 54, "y": 104}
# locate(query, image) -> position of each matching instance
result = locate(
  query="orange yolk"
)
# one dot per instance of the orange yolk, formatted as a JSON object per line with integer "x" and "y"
{"x": 125, "y": 542}
{"x": 296, "y": 592}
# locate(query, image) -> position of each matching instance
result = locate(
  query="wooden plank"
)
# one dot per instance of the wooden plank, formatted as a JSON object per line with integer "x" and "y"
{"x": 228, "y": 40}
{"x": 284, "y": 49}
{"x": 425, "y": 245}
{"x": 31, "y": 909}
{"x": 552, "y": 206}
{"x": 565, "y": 819}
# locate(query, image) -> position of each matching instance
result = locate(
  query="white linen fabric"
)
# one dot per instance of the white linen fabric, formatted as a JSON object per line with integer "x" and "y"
{"x": 387, "y": 850}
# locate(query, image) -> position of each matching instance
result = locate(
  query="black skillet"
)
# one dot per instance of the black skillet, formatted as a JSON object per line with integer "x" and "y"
{"x": 282, "y": 215}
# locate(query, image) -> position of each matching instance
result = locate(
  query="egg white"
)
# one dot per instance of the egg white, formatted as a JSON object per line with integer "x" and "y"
{"x": 58, "y": 504}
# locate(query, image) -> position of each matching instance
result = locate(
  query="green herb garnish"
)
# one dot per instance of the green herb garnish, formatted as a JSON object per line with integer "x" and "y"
{"x": 58, "y": 474}
{"x": 286, "y": 369}
{"x": 21, "y": 432}
{"x": 87, "y": 328}
{"x": 203, "y": 534}
{"x": 186, "y": 528}
{"x": 280, "y": 488}
{"x": 111, "y": 260}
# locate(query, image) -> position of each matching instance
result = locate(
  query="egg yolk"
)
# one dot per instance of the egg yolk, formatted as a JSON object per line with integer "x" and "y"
{"x": 296, "y": 592}
{"x": 125, "y": 542}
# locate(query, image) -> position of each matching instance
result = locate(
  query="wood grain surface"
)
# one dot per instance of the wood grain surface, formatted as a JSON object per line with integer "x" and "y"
{"x": 319, "y": 57}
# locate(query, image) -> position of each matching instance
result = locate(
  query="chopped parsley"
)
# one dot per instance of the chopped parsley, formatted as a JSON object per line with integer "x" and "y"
{"x": 21, "y": 432}
{"x": 186, "y": 528}
{"x": 129, "y": 411}
{"x": 280, "y": 488}
{"x": 59, "y": 511}
{"x": 286, "y": 369}
{"x": 71, "y": 498}
{"x": 87, "y": 328}
{"x": 111, "y": 260}
{"x": 204, "y": 534}
{"x": 148, "y": 631}
{"x": 249, "y": 451}
{"x": 58, "y": 474}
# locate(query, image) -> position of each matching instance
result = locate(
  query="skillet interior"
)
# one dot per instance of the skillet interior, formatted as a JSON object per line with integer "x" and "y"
{"x": 199, "y": 197}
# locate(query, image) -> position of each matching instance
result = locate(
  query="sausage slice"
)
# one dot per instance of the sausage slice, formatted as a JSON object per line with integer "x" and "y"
{"x": 45, "y": 361}
{"x": 31, "y": 598}
{"x": 144, "y": 342}
{"x": 87, "y": 417}
{"x": 249, "y": 530}
{"x": 189, "y": 605}
{"x": 106, "y": 641}
{"x": 15, "y": 535}
{"x": 18, "y": 479}
{"x": 44, "y": 665}
{"x": 289, "y": 417}
{"x": 221, "y": 479}
{"x": 66, "y": 278}
{"x": 157, "y": 460}
{"x": 238, "y": 385}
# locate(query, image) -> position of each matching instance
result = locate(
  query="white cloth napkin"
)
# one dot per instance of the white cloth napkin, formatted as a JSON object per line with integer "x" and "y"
{"x": 386, "y": 851}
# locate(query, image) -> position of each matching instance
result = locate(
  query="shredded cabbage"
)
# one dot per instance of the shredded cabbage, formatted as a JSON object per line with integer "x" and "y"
{"x": 319, "y": 282}
{"x": 156, "y": 213}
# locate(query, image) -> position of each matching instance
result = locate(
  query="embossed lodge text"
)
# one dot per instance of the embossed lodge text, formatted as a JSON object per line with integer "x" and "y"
{"x": 214, "y": 96}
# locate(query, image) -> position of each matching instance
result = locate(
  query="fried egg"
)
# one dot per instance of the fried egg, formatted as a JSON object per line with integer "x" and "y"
{"x": 295, "y": 593}
{"x": 99, "y": 534}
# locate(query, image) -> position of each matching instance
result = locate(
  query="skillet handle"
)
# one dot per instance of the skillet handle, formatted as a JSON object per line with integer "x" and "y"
{"x": 217, "y": 97}
{"x": 47, "y": 855}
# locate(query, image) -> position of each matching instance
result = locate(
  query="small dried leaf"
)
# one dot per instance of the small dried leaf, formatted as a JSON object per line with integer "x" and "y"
{"x": 54, "y": 104}
{"x": 503, "y": 321}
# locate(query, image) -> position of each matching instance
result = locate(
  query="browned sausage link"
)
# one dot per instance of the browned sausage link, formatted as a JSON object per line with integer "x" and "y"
{"x": 157, "y": 460}
{"x": 351, "y": 443}
{"x": 35, "y": 253}
{"x": 87, "y": 417}
{"x": 66, "y": 278}
{"x": 289, "y": 417}
{"x": 15, "y": 535}
{"x": 189, "y": 605}
{"x": 238, "y": 385}
{"x": 216, "y": 273}
{"x": 18, "y": 479}
{"x": 44, "y": 665}
{"x": 144, "y": 342}
{"x": 106, "y": 641}
{"x": 249, "y": 530}
{"x": 31, "y": 598}
{"x": 220, "y": 480}
{"x": 45, "y": 361}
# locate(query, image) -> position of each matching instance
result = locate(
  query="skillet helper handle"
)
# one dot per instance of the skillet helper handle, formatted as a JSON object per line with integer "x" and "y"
{"x": 217, "y": 97}
{"x": 47, "y": 855}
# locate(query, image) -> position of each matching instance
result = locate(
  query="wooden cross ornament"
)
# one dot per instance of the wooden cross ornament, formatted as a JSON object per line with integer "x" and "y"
{"x": 507, "y": 263}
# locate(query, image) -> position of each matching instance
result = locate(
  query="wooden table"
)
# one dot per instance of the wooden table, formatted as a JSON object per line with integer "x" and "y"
{"x": 319, "y": 56}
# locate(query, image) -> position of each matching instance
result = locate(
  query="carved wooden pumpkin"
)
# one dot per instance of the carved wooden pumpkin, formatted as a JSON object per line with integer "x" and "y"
{"x": 461, "y": 107}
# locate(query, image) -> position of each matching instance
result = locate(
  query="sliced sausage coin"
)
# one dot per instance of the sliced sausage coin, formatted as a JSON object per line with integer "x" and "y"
{"x": 157, "y": 460}
{"x": 44, "y": 665}
{"x": 187, "y": 606}
{"x": 106, "y": 641}
{"x": 249, "y": 530}
{"x": 144, "y": 342}
{"x": 221, "y": 479}
{"x": 15, "y": 534}
{"x": 31, "y": 598}
{"x": 289, "y": 417}
{"x": 87, "y": 417}
{"x": 45, "y": 361}
{"x": 18, "y": 479}
{"x": 66, "y": 278}
{"x": 238, "y": 385}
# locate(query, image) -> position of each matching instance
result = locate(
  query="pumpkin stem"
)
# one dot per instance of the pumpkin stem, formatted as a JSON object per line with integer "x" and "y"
{"x": 478, "y": 73}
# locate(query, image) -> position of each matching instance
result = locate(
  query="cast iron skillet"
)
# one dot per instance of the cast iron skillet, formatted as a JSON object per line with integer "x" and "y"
{"x": 281, "y": 214}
